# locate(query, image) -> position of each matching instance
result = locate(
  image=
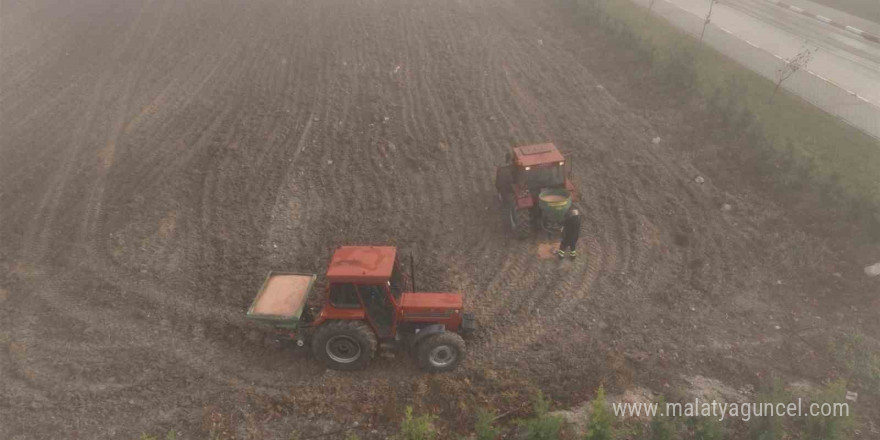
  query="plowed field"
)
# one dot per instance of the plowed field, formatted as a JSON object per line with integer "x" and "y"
{"x": 160, "y": 156}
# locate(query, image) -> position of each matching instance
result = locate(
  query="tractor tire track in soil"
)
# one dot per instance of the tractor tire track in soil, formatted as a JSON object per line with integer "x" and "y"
{"x": 159, "y": 157}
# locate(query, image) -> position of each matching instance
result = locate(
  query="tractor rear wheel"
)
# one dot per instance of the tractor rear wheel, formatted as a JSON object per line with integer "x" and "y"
{"x": 344, "y": 345}
{"x": 441, "y": 352}
{"x": 520, "y": 222}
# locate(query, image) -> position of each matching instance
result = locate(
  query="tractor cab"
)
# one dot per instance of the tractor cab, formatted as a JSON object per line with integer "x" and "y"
{"x": 538, "y": 166}
{"x": 534, "y": 188}
{"x": 531, "y": 168}
{"x": 368, "y": 283}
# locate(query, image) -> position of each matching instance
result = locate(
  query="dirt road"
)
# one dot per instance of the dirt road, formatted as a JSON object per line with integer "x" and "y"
{"x": 159, "y": 157}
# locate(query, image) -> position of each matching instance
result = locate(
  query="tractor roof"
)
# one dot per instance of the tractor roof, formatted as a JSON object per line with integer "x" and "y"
{"x": 537, "y": 154}
{"x": 362, "y": 264}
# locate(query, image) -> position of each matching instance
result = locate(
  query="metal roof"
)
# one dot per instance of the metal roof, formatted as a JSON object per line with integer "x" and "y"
{"x": 362, "y": 264}
{"x": 537, "y": 154}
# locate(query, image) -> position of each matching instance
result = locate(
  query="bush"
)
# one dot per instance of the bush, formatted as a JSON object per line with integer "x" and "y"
{"x": 171, "y": 435}
{"x": 600, "y": 426}
{"x": 417, "y": 428}
{"x": 484, "y": 428}
{"x": 705, "y": 428}
{"x": 543, "y": 426}
{"x": 771, "y": 428}
{"x": 860, "y": 360}
{"x": 833, "y": 427}
{"x": 663, "y": 427}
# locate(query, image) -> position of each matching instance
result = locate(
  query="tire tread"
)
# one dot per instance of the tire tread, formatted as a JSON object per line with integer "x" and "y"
{"x": 449, "y": 338}
{"x": 357, "y": 329}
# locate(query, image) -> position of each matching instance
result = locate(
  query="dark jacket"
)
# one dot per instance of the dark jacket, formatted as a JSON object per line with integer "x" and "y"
{"x": 571, "y": 228}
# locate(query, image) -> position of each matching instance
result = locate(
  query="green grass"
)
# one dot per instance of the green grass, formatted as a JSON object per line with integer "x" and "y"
{"x": 860, "y": 361}
{"x": 835, "y": 427}
{"x": 171, "y": 435}
{"x": 771, "y": 428}
{"x": 867, "y": 9}
{"x": 831, "y": 152}
{"x": 417, "y": 427}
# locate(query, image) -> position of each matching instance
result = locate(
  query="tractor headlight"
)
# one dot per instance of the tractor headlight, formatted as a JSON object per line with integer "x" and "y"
{"x": 528, "y": 168}
{"x": 562, "y": 163}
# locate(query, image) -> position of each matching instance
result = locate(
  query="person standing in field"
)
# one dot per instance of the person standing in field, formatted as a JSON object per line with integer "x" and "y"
{"x": 571, "y": 229}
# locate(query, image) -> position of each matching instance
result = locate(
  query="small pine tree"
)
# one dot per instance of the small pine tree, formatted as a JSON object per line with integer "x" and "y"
{"x": 663, "y": 427}
{"x": 600, "y": 426}
{"x": 484, "y": 427}
{"x": 543, "y": 426}
{"x": 417, "y": 428}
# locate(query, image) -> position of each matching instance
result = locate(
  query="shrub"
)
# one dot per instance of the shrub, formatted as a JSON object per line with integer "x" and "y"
{"x": 834, "y": 426}
{"x": 860, "y": 361}
{"x": 771, "y": 428}
{"x": 484, "y": 428}
{"x": 417, "y": 428}
{"x": 171, "y": 435}
{"x": 600, "y": 426}
{"x": 543, "y": 426}
{"x": 705, "y": 428}
{"x": 663, "y": 427}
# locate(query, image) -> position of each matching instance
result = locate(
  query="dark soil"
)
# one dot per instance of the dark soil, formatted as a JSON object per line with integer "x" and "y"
{"x": 159, "y": 157}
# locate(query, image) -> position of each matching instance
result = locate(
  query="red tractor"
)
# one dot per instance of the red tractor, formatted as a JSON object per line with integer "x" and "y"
{"x": 364, "y": 304}
{"x": 535, "y": 188}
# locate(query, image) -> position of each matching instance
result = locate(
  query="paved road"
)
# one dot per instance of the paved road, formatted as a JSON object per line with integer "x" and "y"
{"x": 844, "y": 75}
{"x": 836, "y": 15}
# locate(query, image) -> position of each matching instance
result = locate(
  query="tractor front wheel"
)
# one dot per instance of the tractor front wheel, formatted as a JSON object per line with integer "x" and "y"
{"x": 344, "y": 345}
{"x": 520, "y": 222}
{"x": 441, "y": 352}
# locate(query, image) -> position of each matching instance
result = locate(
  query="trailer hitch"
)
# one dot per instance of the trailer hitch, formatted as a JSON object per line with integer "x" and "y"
{"x": 285, "y": 336}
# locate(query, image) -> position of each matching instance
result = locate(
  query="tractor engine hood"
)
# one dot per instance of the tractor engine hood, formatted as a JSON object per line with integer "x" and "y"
{"x": 431, "y": 305}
